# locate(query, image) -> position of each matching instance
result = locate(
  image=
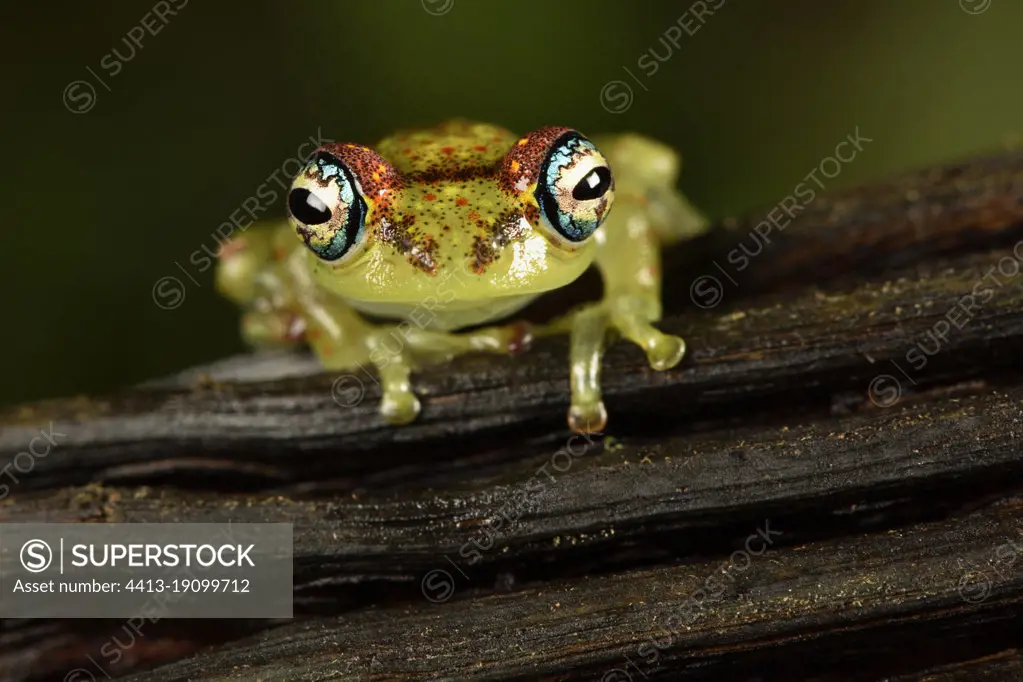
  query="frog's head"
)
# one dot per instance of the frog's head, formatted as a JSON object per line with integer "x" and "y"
{"x": 464, "y": 207}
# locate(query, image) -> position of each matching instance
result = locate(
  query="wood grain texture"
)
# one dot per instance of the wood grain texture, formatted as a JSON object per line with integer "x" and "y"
{"x": 1005, "y": 666}
{"x": 634, "y": 502}
{"x": 760, "y": 610}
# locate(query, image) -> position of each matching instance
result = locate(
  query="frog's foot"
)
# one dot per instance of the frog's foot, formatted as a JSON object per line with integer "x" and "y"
{"x": 631, "y": 316}
{"x": 398, "y": 403}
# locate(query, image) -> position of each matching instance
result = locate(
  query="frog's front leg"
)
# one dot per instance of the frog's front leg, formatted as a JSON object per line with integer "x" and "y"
{"x": 628, "y": 257}
{"x": 648, "y": 212}
{"x": 397, "y": 351}
{"x": 343, "y": 340}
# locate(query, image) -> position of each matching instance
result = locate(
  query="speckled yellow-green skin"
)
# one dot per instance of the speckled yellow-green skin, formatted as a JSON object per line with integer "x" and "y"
{"x": 457, "y": 261}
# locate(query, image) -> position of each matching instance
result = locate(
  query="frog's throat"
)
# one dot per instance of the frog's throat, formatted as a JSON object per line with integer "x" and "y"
{"x": 440, "y": 316}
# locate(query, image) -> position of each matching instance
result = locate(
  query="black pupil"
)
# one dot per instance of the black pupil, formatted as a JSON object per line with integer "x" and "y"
{"x": 307, "y": 207}
{"x": 593, "y": 186}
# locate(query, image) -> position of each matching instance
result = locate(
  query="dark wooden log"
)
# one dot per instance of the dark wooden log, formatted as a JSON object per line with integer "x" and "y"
{"x": 1005, "y": 666}
{"x": 637, "y": 502}
{"x": 660, "y": 499}
{"x": 776, "y": 613}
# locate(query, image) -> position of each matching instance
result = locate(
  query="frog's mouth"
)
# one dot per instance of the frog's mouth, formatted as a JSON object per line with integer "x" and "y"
{"x": 438, "y": 315}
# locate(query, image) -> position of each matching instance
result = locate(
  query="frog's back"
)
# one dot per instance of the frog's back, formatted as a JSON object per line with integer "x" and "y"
{"x": 454, "y": 149}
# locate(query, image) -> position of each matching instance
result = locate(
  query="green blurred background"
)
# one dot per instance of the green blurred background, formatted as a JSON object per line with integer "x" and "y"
{"x": 101, "y": 205}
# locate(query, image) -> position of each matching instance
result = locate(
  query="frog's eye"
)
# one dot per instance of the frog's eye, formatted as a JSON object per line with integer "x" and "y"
{"x": 327, "y": 209}
{"x": 575, "y": 187}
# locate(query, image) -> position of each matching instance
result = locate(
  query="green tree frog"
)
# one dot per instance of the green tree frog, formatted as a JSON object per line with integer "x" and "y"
{"x": 413, "y": 252}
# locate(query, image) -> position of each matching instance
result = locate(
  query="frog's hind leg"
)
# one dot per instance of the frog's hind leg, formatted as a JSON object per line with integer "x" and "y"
{"x": 272, "y": 328}
{"x": 249, "y": 273}
{"x": 632, "y": 315}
